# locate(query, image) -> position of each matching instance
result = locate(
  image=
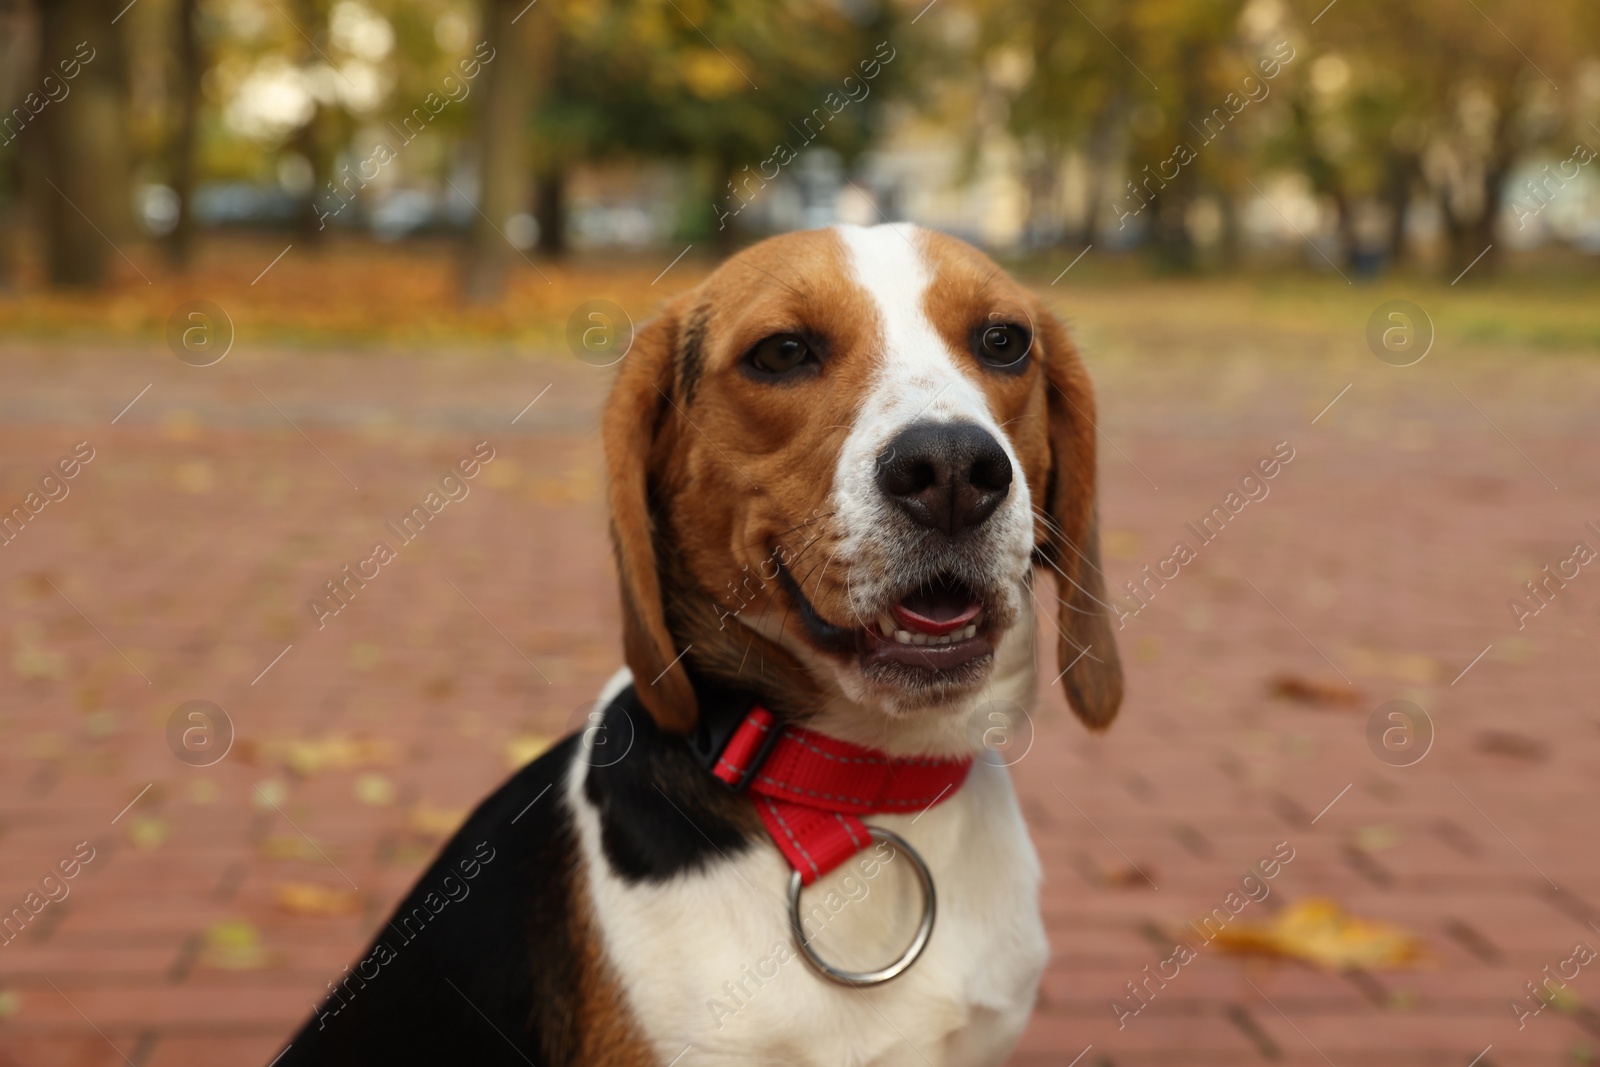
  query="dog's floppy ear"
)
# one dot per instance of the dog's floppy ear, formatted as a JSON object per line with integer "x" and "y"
{"x": 1087, "y": 649}
{"x": 637, "y": 416}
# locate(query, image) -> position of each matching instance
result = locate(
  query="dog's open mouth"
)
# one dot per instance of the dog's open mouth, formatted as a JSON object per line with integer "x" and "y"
{"x": 936, "y": 633}
{"x": 937, "y": 626}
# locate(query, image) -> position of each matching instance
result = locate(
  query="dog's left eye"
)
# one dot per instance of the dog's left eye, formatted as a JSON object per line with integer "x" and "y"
{"x": 1003, "y": 345}
{"x": 780, "y": 354}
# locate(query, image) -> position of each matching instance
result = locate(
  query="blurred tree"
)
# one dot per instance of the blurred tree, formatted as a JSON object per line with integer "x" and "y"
{"x": 1195, "y": 121}
{"x": 319, "y": 139}
{"x": 18, "y": 47}
{"x": 521, "y": 35}
{"x": 190, "y": 63}
{"x": 736, "y": 89}
{"x": 1451, "y": 94}
{"x": 1136, "y": 90}
{"x": 81, "y": 157}
{"x": 1062, "y": 76}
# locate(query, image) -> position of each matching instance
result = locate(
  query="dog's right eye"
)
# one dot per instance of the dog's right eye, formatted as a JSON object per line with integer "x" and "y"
{"x": 780, "y": 354}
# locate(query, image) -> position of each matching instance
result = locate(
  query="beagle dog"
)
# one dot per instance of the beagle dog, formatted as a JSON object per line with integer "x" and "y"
{"x": 835, "y": 468}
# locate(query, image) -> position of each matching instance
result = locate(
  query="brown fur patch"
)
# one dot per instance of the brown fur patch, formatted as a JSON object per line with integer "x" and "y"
{"x": 603, "y": 1031}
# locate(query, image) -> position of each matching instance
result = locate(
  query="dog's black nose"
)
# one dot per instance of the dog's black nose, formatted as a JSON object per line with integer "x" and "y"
{"x": 946, "y": 475}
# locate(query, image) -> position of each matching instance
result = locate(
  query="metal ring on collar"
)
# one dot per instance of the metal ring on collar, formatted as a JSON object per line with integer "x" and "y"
{"x": 918, "y": 943}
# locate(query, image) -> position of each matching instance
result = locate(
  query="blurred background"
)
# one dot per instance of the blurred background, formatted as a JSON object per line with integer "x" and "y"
{"x": 268, "y": 268}
{"x": 1361, "y": 138}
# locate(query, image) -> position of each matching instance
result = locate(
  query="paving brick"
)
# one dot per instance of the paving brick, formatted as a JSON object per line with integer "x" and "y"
{"x": 205, "y": 523}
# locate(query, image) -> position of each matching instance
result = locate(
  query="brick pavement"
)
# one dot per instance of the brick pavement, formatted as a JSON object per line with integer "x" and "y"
{"x": 1389, "y": 546}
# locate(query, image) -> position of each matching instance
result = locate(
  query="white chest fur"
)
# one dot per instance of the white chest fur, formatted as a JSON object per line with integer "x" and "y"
{"x": 708, "y": 963}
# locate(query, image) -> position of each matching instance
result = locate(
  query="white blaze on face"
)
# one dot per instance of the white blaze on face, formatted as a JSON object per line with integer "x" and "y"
{"x": 917, "y": 379}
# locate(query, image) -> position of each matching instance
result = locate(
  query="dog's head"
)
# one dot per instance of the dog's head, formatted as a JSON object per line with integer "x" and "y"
{"x": 833, "y": 466}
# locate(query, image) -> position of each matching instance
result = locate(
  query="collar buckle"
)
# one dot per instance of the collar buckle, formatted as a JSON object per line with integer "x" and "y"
{"x": 733, "y": 750}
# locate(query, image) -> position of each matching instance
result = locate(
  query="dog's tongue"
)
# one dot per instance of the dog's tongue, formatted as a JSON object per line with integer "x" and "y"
{"x": 936, "y": 612}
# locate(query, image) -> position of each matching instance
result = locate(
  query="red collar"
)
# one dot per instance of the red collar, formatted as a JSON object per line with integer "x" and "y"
{"x": 810, "y": 789}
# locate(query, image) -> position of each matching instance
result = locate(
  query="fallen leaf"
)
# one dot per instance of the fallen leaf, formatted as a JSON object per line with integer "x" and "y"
{"x": 33, "y": 663}
{"x": 99, "y": 725}
{"x": 365, "y": 656}
{"x": 375, "y": 790}
{"x": 181, "y": 424}
{"x": 235, "y": 945}
{"x": 305, "y": 757}
{"x": 1125, "y": 877}
{"x": 1371, "y": 839}
{"x": 525, "y": 748}
{"x": 288, "y": 847}
{"x": 1319, "y": 932}
{"x": 1316, "y": 691}
{"x": 308, "y": 898}
{"x": 436, "y": 822}
{"x": 269, "y": 795}
{"x": 502, "y": 474}
{"x": 1517, "y": 746}
{"x": 148, "y": 832}
{"x": 44, "y": 746}
{"x": 1120, "y": 544}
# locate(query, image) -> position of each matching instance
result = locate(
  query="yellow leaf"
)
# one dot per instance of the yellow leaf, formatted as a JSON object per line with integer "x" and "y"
{"x": 305, "y": 757}
{"x": 1371, "y": 839}
{"x": 235, "y": 945}
{"x": 181, "y": 424}
{"x": 45, "y": 746}
{"x": 288, "y": 847}
{"x": 1319, "y": 932}
{"x": 308, "y": 898}
{"x": 502, "y": 473}
{"x": 148, "y": 832}
{"x": 32, "y": 663}
{"x": 269, "y": 795}
{"x": 1120, "y": 544}
{"x": 375, "y": 790}
{"x": 525, "y": 748}
{"x": 436, "y": 822}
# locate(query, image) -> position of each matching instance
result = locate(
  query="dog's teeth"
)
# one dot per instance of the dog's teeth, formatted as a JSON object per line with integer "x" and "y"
{"x": 970, "y": 631}
{"x": 919, "y": 639}
{"x": 902, "y": 637}
{"x": 885, "y": 625}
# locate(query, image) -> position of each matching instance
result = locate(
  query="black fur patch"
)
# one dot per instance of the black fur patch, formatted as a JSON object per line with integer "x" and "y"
{"x": 661, "y": 811}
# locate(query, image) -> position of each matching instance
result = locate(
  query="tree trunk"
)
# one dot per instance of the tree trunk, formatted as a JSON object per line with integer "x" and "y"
{"x": 726, "y": 203}
{"x": 326, "y": 199}
{"x": 520, "y": 35}
{"x": 1397, "y": 194}
{"x": 1486, "y": 227}
{"x": 191, "y": 66}
{"x": 17, "y": 50}
{"x": 82, "y": 160}
{"x": 1344, "y": 225}
{"x": 550, "y": 208}
{"x": 1174, "y": 246}
{"x": 1102, "y": 156}
{"x": 1230, "y": 250}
